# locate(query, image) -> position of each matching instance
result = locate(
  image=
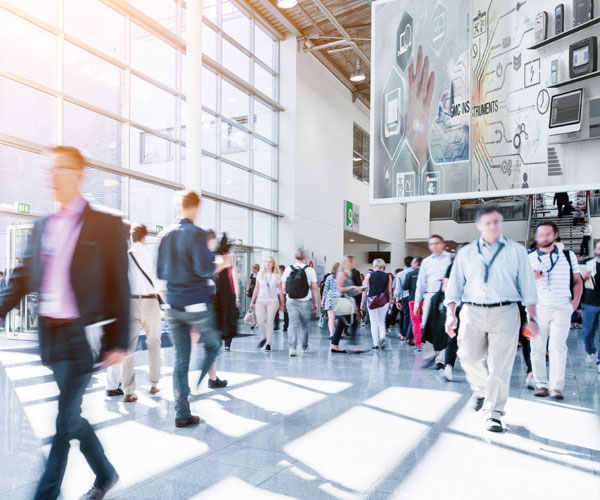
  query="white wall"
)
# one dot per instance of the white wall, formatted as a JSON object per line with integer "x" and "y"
{"x": 316, "y": 170}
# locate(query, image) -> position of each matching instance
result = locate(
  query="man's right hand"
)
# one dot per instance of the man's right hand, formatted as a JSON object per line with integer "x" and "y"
{"x": 417, "y": 311}
{"x": 451, "y": 325}
{"x": 587, "y": 275}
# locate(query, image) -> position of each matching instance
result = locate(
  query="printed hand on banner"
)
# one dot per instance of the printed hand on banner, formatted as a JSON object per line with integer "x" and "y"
{"x": 420, "y": 84}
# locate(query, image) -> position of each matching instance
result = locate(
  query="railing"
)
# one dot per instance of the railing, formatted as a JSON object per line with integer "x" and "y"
{"x": 465, "y": 213}
{"x": 594, "y": 205}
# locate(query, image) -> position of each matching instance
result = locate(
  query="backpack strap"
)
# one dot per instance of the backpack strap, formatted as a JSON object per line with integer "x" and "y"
{"x": 571, "y": 279}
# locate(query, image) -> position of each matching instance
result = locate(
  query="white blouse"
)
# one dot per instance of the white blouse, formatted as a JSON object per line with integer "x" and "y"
{"x": 268, "y": 290}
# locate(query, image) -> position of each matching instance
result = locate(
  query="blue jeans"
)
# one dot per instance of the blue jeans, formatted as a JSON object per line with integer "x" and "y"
{"x": 180, "y": 324}
{"x": 589, "y": 324}
{"x": 72, "y": 382}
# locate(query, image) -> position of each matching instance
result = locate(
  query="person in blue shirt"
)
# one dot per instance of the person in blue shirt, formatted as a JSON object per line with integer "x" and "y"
{"x": 490, "y": 276}
{"x": 188, "y": 267}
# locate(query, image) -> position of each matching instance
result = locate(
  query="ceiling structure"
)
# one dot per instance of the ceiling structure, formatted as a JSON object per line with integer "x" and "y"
{"x": 337, "y": 32}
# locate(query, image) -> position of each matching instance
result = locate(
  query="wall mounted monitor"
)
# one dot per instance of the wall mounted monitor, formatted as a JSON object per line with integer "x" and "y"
{"x": 565, "y": 112}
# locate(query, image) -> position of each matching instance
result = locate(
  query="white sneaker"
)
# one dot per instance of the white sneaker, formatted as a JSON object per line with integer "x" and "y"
{"x": 306, "y": 349}
{"x": 590, "y": 359}
{"x": 292, "y": 351}
{"x": 448, "y": 373}
{"x": 530, "y": 382}
{"x": 598, "y": 367}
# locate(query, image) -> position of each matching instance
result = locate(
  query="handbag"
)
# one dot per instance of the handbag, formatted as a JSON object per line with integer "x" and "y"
{"x": 322, "y": 322}
{"x": 377, "y": 301}
{"x": 344, "y": 306}
{"x": 250, "y": 318}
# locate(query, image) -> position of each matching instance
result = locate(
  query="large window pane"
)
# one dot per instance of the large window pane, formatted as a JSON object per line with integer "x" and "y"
{"x": 264, "y": 230}
{"x": 209, "y": 89}
{"x": 97, "y": 24}
{"x": 209, "y": 133}
{"x": 27, "y": 113}
{"x": 234, "y": 103}
{"x": 27, "y": 50}
{"x": 234, "y": 182}
{"x": 264, "y": 46}
{"x": 263, "y": 192}
{"x": 209, "y": 10}
{"x": 234, "y": 144}
{"x": 235, "y": 24}
{"x": 264, "y": 155}
{"x": 209, "y": 174}
{"x": 25, "y": 178}
{"x": 209, "y": 42}
{"x": 103, "y": 188}
{"x": 235, "y": 60}
{"x": 264, "y": 81}
{"x": 151, "y": 154}
{"x": 152, "y": 106}
{"x": 96, "y": 135}
{"x": 42, "y": 9}
{"x": 162, "y": 11}
{"x": 150, "y": 204}
{"x": 92, "y": 79}
{"x": 152, "y": 56}
{"x": 208, "y": 214}
{"x": 264, "y": 118}
{"x": 234, "y": 222}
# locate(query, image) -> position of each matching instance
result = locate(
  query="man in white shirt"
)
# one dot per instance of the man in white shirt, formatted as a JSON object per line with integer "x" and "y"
{"x": 559, "y": 287}
{"x": 300, "y": 285}
{"x": 145, "y": 313}
{"x": 433, "y": 271}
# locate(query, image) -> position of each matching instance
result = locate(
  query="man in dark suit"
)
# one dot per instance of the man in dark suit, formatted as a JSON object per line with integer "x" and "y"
{"x": 561, "y": 200}
{"x": 77, "y": 262}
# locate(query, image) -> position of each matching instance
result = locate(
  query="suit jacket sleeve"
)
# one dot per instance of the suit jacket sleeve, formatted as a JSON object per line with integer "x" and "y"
{"x": 20, "y": 282}
{"x": 117, "y": 289}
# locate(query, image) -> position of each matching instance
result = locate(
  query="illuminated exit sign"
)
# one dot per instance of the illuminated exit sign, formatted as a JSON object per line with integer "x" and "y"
{"x": 23, "y": 208}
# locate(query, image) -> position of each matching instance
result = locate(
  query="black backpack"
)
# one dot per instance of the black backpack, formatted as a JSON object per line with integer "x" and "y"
{"x": 297, "y": 283}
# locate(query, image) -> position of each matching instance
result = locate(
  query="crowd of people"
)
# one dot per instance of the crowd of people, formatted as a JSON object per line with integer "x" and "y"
{"x": 99, "y": 284}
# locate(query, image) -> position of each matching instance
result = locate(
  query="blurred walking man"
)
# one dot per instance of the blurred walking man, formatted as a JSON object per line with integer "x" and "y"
{"x": 490, "y": 276}
{"x": 77, "y": 262}
{"x": 188, "y": 267}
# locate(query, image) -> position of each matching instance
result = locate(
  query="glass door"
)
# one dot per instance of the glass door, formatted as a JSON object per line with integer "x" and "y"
{"x": 244, "y": 268}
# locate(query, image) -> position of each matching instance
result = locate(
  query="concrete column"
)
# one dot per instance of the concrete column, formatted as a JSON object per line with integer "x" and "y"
{"x": 194, "y": 96}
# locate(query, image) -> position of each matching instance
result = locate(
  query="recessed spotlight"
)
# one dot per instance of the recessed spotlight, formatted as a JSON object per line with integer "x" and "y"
{"x": 358, "y": 75}
{"x": 286, "y": 4}
{"x": 351, "y": 240}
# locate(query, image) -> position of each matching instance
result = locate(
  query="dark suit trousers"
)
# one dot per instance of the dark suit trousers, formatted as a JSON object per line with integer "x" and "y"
{"x": 70, "y": 363}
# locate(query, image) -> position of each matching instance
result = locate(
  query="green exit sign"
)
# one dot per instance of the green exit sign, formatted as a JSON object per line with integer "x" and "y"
{"x": 158, "y": 229}
{"x": 23, "y": 208}
{"x": 240, "y": 242}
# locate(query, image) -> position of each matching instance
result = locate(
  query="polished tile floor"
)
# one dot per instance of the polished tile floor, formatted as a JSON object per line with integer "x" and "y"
{"x": 319, "y": 426}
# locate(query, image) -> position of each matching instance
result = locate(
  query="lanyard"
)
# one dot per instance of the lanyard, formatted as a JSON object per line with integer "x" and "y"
{"x": 486, "y": 276}
{"x": 552, "y": 263}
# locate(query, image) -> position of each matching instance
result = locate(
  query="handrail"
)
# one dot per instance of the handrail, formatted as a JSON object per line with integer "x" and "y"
{"x": 529, "y": 223}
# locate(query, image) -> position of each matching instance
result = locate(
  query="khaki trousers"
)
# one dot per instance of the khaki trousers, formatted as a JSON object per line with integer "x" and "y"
{"x": 492, "y": 333}
{"x": 145, "y": 313}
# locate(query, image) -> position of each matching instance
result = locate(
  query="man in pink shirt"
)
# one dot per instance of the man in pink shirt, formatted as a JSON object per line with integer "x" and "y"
{"x": 77, "y": 262}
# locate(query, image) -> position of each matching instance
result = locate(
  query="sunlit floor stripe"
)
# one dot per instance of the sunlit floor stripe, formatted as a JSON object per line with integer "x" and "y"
{"x": 328, "y": 386}
{"x": 26, "y": 372}
{"x": 215, "y": 415}
{"x": 233, "y": 488}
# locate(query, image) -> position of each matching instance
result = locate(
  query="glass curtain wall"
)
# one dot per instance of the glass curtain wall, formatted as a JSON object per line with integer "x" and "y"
{"x": 109, "y": 78}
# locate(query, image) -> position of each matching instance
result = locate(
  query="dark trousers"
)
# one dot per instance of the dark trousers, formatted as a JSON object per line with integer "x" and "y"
{"x": 451, "y": 350}
{"x": 286, "y": 321}
{"x": 585, "y": 245}
{"x": 343, "y": 323}
{"x": 561, "y": 207}
{"x": 405, "y": 327}
{"x": 72, "y": 382}
{"x": 526, "y": 347}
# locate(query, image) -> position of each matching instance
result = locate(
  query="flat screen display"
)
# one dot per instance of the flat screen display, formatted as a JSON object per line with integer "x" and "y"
{"x": 566, "y": 109}
{"x": 581, "y": 56}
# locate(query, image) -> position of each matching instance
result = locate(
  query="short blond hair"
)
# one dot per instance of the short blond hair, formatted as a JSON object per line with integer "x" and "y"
{"x": 188, "y": 199}
{"x": 73, "y": 154}
{"x": 379, "y": 264}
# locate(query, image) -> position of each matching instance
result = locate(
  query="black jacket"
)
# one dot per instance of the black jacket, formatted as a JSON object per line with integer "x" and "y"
{"x": 98, "y": 277}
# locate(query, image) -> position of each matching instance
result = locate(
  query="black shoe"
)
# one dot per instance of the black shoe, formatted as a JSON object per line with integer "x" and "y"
{"x": 262, "y": 343}
{"x": 440, "y": 366}
{"x": 217, "y": 383}
{"x": 375, "y": 347}
{"x": 184, "y": 422}
{"x": 268, "y": 348}
{"x": 115, "y": 392}
{"x": 338, "y": 351}
{"x": 478, "y": 403}
{"x": 494, "y": 425}
{"x": 99, "y": 492}
{"x": 285, "y": 330}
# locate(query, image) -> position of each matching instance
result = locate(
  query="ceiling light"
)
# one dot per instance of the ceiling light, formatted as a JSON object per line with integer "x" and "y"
{"x": 351, "y": 239}
{"x": 357, "y": 75}
{"x": 286, "y": 4}
{"x": 357, "y": 159}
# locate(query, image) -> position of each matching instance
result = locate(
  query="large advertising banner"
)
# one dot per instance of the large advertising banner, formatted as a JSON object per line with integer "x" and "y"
{"x": 466, "y": 101}
{"x": 420, "y": 126}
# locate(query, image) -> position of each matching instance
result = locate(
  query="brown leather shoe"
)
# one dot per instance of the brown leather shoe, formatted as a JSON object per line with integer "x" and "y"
{"x": 154, "y": 390}
{"x": 556, "y": 394}
{"x": 541, "y": 392}
{"x": 130, "y": 398}
{"x": 184, "y": 422}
